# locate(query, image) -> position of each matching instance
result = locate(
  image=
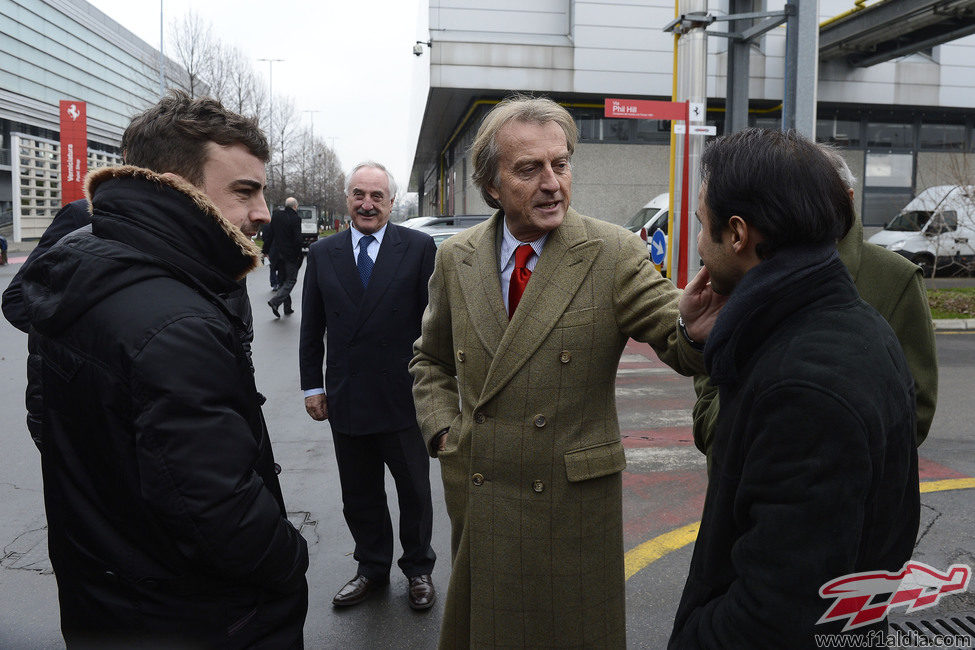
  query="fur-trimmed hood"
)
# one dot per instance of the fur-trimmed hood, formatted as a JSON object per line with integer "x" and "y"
{"x": 144, "y": 225}
{"x": 98, "y": 176}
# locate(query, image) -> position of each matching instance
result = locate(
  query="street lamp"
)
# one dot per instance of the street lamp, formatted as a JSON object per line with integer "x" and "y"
{"x": 270, "y": 121}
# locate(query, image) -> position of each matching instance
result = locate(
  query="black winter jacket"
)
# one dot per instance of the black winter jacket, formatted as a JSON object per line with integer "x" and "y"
{"x": 165, "y": 514}
{"x": 815, "y": 469}
{"x": 282, "y": 237}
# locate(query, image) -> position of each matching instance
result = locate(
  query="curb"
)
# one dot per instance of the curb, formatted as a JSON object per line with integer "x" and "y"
{"x": 954, "y": 324}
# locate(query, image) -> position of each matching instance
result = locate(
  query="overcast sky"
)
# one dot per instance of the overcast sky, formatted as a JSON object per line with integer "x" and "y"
{"x": 350, "y": 60}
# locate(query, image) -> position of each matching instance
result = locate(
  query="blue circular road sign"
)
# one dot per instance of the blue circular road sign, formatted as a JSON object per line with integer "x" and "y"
{"x": 658, "y": 246}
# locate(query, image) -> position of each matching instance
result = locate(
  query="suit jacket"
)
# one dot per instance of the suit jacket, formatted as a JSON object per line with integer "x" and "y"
{"x": 283, "y": 236}
{"x": 533, "y": 460}
{"x": 370, "y": 331}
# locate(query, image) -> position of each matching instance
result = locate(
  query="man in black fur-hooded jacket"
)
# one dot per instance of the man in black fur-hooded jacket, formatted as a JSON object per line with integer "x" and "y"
{"x": 166, "y": 522}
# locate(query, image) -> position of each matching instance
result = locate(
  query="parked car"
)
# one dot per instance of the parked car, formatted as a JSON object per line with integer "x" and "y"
{"x": 935, "y": 230}
{"x": 464, "y": 220}
{"x": 440, "y": 234}
{"x": 649, "y": 219}
{"x": 415, "y": 222}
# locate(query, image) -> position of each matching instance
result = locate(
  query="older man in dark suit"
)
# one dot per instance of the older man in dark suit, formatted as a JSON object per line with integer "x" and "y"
{"x": 366, "y": 289}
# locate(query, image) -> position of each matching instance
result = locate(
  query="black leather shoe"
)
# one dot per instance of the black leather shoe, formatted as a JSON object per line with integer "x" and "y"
{"x": 288, "y": 311}
{"x": 356, "y": 590}
{"x": 421, "y": 594}
{"x": 274, "y": 310}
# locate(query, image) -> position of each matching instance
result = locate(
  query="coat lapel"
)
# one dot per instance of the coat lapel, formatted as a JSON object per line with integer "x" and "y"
{"x": 565, "y": 261}
{"x": 340, "y": 255}
{"x": 478, "y": 275}
{"x": 390, "y": 255}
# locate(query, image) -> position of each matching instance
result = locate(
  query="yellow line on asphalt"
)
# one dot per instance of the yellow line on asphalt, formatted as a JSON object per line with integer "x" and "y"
{"x": 947, "y": 484}
{"x": 654, "y": 549}
{"x": 637, "y": 559}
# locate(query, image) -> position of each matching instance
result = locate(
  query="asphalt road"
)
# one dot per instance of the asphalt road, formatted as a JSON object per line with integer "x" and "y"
{"x": 663, "y": 492}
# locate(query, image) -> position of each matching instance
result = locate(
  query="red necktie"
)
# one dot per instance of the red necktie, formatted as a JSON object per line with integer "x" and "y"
{"x": 519, "y": 277}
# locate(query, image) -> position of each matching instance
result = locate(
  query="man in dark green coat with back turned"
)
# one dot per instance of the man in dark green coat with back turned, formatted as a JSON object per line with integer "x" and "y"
{"x": 890, "y": 284}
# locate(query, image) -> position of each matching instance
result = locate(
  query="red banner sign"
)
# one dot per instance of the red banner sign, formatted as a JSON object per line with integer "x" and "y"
{"x": 645, "y": 109}
{"x": 74, "y": 150}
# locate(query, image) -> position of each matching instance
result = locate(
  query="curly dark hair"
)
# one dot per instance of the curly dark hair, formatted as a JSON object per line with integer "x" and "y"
{"x": 172, "y": 135}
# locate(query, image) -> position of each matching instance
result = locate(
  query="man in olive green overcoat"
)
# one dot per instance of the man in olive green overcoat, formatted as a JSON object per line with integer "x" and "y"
{"x": 515, "y": 392}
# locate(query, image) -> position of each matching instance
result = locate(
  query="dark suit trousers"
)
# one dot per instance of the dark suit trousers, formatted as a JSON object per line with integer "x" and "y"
{"x": 287, "y": 277}
{"x": 361, "y": 459}
{"x": 273, "y": 272}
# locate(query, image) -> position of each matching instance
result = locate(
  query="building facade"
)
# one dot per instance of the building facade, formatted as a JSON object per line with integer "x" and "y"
{"x": 52, "y": 50}
{"x": 902, "y": 125}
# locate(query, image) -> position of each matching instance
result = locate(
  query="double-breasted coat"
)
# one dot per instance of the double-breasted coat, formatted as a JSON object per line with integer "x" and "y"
{"x": 533, "y": 459}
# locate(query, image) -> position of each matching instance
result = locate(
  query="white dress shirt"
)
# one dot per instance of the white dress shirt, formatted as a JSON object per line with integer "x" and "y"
{"x": 507, "y": 260}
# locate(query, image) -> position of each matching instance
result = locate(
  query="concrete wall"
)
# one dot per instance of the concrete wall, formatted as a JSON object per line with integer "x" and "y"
{"x": 934, "y": 168}
{"x": 613, "y": 181}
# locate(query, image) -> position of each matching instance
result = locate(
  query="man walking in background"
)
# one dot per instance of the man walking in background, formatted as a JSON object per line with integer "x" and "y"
{"x": 365, "y": 290}
{"x": 284, "y": 239}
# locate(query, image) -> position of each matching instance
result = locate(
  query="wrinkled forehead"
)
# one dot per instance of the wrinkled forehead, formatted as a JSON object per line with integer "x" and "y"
{"x": 531, "y": 139}
{"x": 369, "y": 180}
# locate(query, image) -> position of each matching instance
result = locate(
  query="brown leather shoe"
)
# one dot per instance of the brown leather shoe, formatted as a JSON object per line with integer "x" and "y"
{"x": 422, "y": 595}
{"x": 356, "y": 590}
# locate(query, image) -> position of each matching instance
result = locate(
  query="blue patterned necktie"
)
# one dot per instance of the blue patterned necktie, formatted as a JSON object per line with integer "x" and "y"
{"x": 364, "y": 262}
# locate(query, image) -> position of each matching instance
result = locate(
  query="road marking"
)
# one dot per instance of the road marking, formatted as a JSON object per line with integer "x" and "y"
{"x": 652, "y": 550}
{"x": 947, "y": 484}
{"x": 640, "y": 557}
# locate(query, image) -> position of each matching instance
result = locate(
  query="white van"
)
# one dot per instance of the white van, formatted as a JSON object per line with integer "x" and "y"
{"x": 936, "y": 230}
{"x": 649, "y": 219}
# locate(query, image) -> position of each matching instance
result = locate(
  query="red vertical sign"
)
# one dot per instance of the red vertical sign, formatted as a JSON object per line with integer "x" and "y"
{"x": 74, "y": 150}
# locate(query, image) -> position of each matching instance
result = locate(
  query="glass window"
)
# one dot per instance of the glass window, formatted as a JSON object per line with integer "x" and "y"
{"x": 890, "y": 135}
{"x": 943, "y": 137}
{"x": 880, "y": 206}
{"x": 845, "y": 133}
{"x": 889, "y": 170}
{"x": 657, "y": 131}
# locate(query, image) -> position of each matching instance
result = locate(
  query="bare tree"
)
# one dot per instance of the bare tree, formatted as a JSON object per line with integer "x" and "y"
{"x": 194, "y": 48}
{"x": 283, "y": 138}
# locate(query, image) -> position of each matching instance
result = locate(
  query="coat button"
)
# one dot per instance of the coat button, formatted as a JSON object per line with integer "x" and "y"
{"x": 477, "y": 479}
{"x": 277, "y": 468}
{"x": 479, "y": 417}
{"x": 460, "y": 356}
{"x": 539, "y": 421}
{"x": 565, "y": 357}
{"x": 538, "y": 486}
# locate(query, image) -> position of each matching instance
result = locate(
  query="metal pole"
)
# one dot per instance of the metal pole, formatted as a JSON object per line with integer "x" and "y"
{"x": 692, "y": 49}
{"x": 739, "y": 55}
{"x": 270, "y": 119}
{"x": 162, "y": 59}
{"x": 801, "y": 67}
{"x": 807, "y": 76}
